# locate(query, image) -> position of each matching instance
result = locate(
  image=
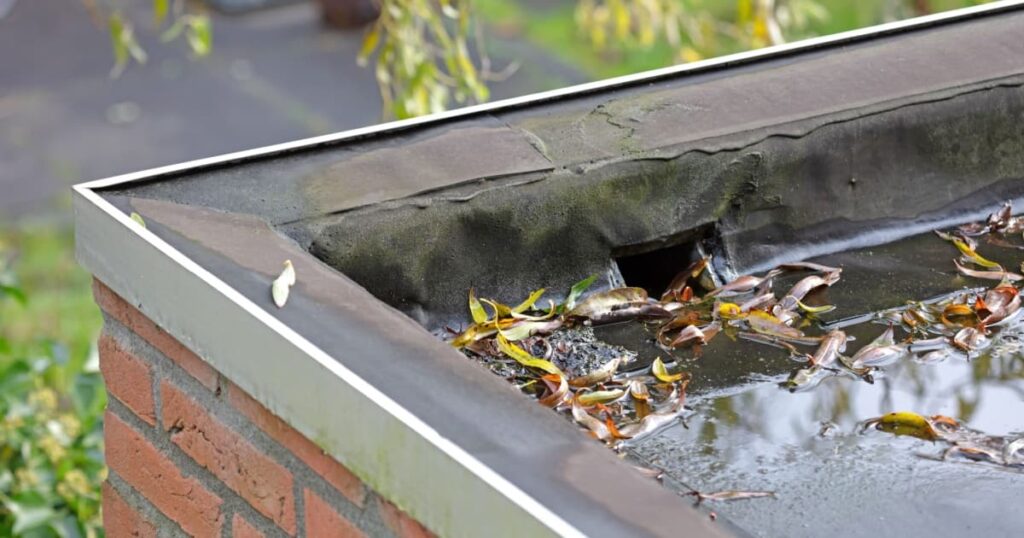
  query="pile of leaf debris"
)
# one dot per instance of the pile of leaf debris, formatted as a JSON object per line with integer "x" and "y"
{"x": 548, "y": 353}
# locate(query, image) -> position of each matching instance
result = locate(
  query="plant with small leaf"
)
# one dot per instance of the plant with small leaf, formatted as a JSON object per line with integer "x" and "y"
{"x": 170, "y": 16}
{"x": 51, "y": 441}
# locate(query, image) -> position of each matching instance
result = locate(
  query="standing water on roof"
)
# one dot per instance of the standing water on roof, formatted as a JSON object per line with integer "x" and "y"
{"x": 887, "y": 382}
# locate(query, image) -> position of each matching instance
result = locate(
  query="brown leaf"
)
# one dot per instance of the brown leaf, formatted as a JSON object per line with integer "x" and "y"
{"x": 602, "y": 374}
{"x": 731, "y": 495}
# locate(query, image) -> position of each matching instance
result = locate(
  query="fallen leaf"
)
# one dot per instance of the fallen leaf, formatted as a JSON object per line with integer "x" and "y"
{"x": 282, "y": 284}
{"x": 988, "y": 275}
{"x": 608, "y": 301}
{"x": 903, "y": 423}
{"x": 525, "y": 329}
{"x": 524, "y": 358}
{"x": 661, "y": 372}
{"x": 476, "y": 309}
{"x": 740, "y": 285}
{"x": 529, "y": 302}
{"x": 588, "y": 399}
{"x": 602, "y": 374}
{"x": 970, "y": 339}
{"x": 679, "y": 283}
{"x": 558, "y": 388}
{"x": 138, "y": 218}
{"x": 969, "y": 254}
{"x": 731, "y": 495}
{"x": 576, "y": 291}
{"x": 597, "y": 428}
{"x": 473, "y": 333}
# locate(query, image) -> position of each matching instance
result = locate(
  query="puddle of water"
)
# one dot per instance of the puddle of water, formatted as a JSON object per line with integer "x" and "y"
{"x": 747, "y": 433}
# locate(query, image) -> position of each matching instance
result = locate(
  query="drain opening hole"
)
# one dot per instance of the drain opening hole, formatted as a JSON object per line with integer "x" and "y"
{"x": 655, "y": 269}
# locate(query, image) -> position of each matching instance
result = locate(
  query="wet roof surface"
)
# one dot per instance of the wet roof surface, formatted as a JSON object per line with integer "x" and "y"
{"x": 748, "y": 433}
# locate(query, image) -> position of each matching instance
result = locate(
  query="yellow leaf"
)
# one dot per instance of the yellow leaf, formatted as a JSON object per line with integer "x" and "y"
{"x": 138, "y": 218}
{"x": 474, "y": 333}
{"x": 524, "y": 358}
{"x": 529, "y": 302}
{"x": 905, "y": 423}
{"x": 972, "y": 255}
{"x": 475, "y": 308}
{"x": 500, "y": 310}
{"x": 370, "y": 42}
{"x": 729, "y": 310}
{"x": 588, "y": 399}
{"x": 661, "y": 372}
{"x": 815, "y": 309}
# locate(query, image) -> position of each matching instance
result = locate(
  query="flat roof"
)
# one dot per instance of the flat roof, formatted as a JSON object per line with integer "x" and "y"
{"x": 451, "y": 443}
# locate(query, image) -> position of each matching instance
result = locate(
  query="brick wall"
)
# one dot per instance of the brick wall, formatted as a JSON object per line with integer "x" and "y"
{"x": 192, "y": 454}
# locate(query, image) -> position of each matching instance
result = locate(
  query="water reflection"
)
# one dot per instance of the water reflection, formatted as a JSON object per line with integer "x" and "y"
{"x": 747, "y": 433}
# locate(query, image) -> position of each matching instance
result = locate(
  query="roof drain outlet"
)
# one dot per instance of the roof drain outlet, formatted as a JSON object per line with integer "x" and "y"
{"x": 652, "y": 266}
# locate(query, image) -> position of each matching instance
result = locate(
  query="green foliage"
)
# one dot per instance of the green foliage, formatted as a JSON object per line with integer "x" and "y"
{"x": 51, "y": 399}
{"x": 417, "y": 39}
{"x": 423, "y": 57}
{"x": 196, "y": 28}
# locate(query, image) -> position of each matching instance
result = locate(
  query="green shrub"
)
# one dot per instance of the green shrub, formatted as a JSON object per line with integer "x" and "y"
{"x": 51, "y": 440}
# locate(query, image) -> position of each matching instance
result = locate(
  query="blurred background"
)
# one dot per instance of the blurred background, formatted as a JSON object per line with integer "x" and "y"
{"x": 95, "y": 88}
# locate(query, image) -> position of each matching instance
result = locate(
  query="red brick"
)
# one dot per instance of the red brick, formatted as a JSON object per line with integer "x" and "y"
{"x": 321, "y": 463}
{"x": 401, "y": 523}
{"x": 240, "y": 528}
{"x": 121, "y": 520}
{"x": 257, "y": 478}
{"x": 128, "y": 378}
{"x": 138, "y": 323}
{"x": 323, "y": 522}
{"x": 181, "y": 498}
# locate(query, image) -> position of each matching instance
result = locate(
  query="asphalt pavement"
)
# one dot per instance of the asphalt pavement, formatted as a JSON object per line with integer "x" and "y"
{"x": 274, "y": 75}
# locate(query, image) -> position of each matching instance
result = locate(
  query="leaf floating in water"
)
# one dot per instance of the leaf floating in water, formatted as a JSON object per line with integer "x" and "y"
{"x": 661, "y": 372}
{"x": 742, "y": 284}
{"x": 903, "y": 423}
{"x": 641, "y": 396}
{"x": 807, "y": 285}
{"x": 958, "y": 315}
{"x": 972, "y": 256}
{"x": 988, "y": 275}
{"x": 815, "y": 309}
{"x": 731, "y": 495}
{"x": 524, "y": 358}
{"x": 598, "y": 429}
{"x": 282, "y": 284}
{"x": 882, "y": 351}
{"x": 1013, "y": 452}
{"x": 970, "y": 339}
{"x": 138, "y": 218}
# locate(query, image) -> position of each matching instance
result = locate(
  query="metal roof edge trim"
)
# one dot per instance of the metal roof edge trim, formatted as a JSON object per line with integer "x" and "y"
{"x": 654, "y": 75}
{"x": 127, "y": 257}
